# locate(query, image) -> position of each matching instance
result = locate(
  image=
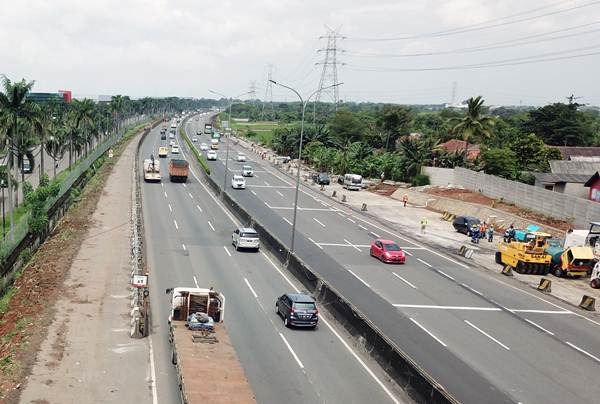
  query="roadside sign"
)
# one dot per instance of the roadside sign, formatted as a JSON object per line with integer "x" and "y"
{"x": 225, "y": 124}
{"x": 140, "y": 281}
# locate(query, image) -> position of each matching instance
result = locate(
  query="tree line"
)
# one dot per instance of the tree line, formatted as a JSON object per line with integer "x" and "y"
{"x": 371, "y": 139}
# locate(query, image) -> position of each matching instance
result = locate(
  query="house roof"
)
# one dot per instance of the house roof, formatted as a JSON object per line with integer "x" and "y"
{"x": 574, "y": 167}
{"x": 456, "y": 145}
{"x": 591, "y": 180}
{"x": 550, "y": 178}
{"x": 568, "y": 152}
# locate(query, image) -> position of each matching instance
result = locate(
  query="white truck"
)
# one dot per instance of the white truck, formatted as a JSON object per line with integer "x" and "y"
{"x": 207, "y": 365}
{"x": 152, "y": 169}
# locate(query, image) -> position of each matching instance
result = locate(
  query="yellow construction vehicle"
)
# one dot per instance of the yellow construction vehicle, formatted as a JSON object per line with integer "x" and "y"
{"x": 527, "y": 256}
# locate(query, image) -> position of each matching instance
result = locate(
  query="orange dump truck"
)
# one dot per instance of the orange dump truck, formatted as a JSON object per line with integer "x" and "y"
{"x": 178, "y": 170}
{"x": 207, "y": 366}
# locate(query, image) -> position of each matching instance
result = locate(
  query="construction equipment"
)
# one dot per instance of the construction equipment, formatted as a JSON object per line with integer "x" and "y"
{"x": 573, "y": 261}
{"x": 528, "y": 256}
{"x": 151, "y": 169}
{"x": 595, "y": 278}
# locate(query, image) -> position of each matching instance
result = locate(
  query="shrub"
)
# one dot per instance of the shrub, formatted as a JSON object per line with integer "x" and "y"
{"x": 420, "y": 180}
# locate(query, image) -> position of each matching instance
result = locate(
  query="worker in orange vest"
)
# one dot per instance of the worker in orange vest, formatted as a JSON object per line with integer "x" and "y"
{"x": 405, "y": 199}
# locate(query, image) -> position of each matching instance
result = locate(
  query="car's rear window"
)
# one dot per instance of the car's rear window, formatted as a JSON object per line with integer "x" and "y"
{"x": 249, "y": 234}
{"x": 304, "y": 306}
{"x": 392, "y": 247}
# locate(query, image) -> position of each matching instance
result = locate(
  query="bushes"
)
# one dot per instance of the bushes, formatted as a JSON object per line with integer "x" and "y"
{"x": 199, "y": 156}
{"x": 420, "y": 180}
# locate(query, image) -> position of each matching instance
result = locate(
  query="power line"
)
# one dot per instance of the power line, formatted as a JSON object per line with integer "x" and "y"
{"x": 268, "y": 91}
{"x": 480, "y": 26}
{"x": 496, "y": 45}
{"x": 329, "y": 74}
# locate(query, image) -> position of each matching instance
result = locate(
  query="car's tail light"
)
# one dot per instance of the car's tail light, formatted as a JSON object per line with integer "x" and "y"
{"x": 316, "y": 312}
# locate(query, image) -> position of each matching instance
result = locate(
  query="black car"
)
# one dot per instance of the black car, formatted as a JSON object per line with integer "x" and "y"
{"x": 340, "y": 179}
{"x": 297, "y": 309}
{"x": 321, "y": 178}
{"x": 463, "y": 224}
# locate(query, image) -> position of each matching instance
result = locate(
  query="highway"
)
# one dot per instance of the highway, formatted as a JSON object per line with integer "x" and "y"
{"x": 483, "y": 338}
{"x": 188, "y": 243}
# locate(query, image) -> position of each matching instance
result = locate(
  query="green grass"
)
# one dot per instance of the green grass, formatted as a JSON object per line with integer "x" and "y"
{"x": 261, "y": 131}
{"x": 5, "y": 300}
{"x": 199, "y": 157}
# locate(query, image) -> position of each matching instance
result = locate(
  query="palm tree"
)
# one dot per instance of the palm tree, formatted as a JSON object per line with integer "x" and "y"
{"x": 474, "y": 124}
{"x": 417, "y": 153}
{"x": 43, "y": 126}
{"x": 57, "y": 143}
{"x": 84, "y": 121}
{"x": 117, "y": 106}
{"x": 14, "y": 106}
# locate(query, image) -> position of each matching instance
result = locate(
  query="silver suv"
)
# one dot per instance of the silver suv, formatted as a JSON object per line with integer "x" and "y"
{"x": 245, "y": 237}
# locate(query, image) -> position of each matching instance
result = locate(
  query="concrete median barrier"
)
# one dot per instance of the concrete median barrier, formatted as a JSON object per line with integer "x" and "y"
{"x": 334, "y": 194}
{"x": 344, "y": 198}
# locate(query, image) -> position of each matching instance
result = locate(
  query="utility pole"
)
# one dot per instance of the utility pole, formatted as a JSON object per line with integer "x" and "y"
{"x": 268, "y": 91}
{"x": 329, "y": 74}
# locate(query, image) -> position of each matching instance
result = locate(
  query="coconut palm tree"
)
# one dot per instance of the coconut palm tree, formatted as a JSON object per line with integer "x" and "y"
{"x": 14, "y": 107}
{"x": 85, "y": 122}
{"x": 57, "y": 143}
{"x": 474, "y": 125}
{"x": 117, "y": 107}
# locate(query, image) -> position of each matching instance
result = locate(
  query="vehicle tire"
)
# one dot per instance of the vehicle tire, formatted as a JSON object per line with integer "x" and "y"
{"x": 595, "y": 283}
{"x": 498, "y": 257}
{"x": 286, "y": 322}
{"x": 558, "y": 272}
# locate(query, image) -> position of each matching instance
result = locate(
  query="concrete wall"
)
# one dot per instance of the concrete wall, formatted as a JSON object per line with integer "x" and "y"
{"x": 439, "y": 177}
{"x": 567, "y": 207}
{"x": 578, "y": 190}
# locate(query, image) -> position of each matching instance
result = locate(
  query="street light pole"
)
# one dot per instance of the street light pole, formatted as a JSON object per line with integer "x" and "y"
{"x": 227, "y": 137}
{"x": 304, "y": 103}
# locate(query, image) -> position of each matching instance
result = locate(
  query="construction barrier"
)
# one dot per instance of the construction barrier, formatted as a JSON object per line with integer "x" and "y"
{"x": 364, "y": 207}
{"x": 344, "y": 198}
{"x": 507, "y": 270}
{"x": 447, "y": 216}
{"x": 465, "y": 251}
{"x": 588, "y": 303}
{"x": 334, "y": 194}
{"x": 545, "y": 285}
{"x": 322, "y": 188}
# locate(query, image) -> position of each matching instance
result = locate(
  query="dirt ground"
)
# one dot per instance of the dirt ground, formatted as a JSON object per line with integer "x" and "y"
{"x": 474, "y": 197}
{"x": 24, "y": 325}
{"x": 383, "y": 189}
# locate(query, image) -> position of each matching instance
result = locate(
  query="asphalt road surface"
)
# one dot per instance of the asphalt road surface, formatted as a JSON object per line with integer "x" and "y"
{"x": 188, "y": 243}
{"x": 482, "y": 338}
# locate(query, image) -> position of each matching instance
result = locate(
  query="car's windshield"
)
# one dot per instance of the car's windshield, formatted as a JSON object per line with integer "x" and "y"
{"x": 391, "y": 247}
{"x": 249, "y": 234}
{"x": 304, "y": 306}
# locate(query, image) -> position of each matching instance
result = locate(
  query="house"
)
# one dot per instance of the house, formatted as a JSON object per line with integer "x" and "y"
{"x": 579, "y": 153}
{"x": 593, "y": 183}
{"x": 568, "y": 177}
{"x": 459, "y": 146}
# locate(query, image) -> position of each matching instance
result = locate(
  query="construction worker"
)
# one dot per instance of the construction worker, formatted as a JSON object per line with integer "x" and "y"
{"x": 405, "y": 199}
{"x": 483, "y": 230}
{"x": 382, "y": 177}
{"x": 490, "y": 234}
{"x": 423, "y": 224}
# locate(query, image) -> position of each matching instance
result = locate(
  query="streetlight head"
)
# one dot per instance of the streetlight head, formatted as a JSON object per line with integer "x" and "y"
{"x": 273, "y": 81}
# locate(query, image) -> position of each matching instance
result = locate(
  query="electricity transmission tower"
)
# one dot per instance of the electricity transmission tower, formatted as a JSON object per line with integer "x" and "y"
{"x": 252, "y": 92}
{"x": 268, "y": 91}
{"x": 329, "y": 74}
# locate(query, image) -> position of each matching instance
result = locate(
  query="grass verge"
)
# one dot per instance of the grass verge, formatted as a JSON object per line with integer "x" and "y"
{"x": 197, "y": 154}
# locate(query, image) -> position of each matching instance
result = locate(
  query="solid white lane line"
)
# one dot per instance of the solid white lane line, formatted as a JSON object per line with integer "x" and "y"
{"x": 445, "y": 274}
{"x": 362, "y": 227}
{"x": 375, "y": 234}
{"x": 424, "y": 262}
{"x": 540, "y": 311}
{"x": 290, "y": 223}
{"x": 316, "y": 220}
{"x": 582, "y": 351}
{"x": 325, "y": 204}
{"x": 252, "y": 192}
{"x": 199, "y": 208}
{"x": 317, "y": 244}
{"x": 251, "y": 288}
{"x": 404, "y": 280}
{"x": 428, "y": 332}
{"x": 292, "y": 351}
{"x": 191, "y": 196}
{"x": 196, "y": 281}
{"x": 538, "y": 326}
{"x": 428, "y": 306}
{"x": 344, "y": 245}
{"x": 176, "y": 226}
{"x": 280, "y": 273}
{"x": 170, "y": 208}
{"x": 279, "y": 193}
{"x": 471, "y": 289}
{"x": 487, "y": 335}
{"x": 152, "y": 372}
{"x": 211, "y": 226}
{"x": 358, "y": 277}
{"x": 227, "y": 251}
{"x": 351, "y": 220}
{"x": 352, "y": 245}
{"x": 183, "y": 245}
{"x": 166, "y": 194}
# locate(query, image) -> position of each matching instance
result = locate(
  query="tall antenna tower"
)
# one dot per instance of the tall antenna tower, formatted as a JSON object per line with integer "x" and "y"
{"x": 329, "y": 74}
{"x": 268, "y": 90}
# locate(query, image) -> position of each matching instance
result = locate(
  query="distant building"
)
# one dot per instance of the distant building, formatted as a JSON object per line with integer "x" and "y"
{"x": 568, "y": 177}
{"x": 459, "y": 146}
{"x": 60, "y": 96}
{"x": 579, "y": 153}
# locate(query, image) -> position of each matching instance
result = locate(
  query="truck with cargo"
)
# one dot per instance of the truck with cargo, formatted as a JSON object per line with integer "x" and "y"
{"x": 207, "y": 128}
{"x": 178, "y": 170}
{"x": 152, "y": 169}
{"x": 207, "y": 366}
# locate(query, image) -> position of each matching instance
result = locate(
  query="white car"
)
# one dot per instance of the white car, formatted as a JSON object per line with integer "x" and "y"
{"x": 175, "y": 149}
{"x": 241, "y": 157}
{"x": 194, "y": 139}
{"x": 203, "y": 146}
{"x": 245, "y": 237}
{"x": 171, "y": 136}
{"x": 238, "y": 182}
{"x": 211, "y": 155}
{"x": 172, "y": 143}
{"x": 247, "y": 171}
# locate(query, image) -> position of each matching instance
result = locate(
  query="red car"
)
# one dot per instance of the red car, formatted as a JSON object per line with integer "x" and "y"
{"x": 387, "y": 251}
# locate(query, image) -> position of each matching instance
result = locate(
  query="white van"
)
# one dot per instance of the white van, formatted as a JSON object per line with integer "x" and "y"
{"x": 214, "y": 144}
{"x": 352, "y": 182}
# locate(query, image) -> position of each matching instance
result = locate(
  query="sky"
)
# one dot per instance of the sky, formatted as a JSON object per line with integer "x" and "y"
{"x": 189, "y": 47}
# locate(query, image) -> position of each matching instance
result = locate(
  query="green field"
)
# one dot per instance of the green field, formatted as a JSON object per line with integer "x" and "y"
{"x": 261, "y": 131}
